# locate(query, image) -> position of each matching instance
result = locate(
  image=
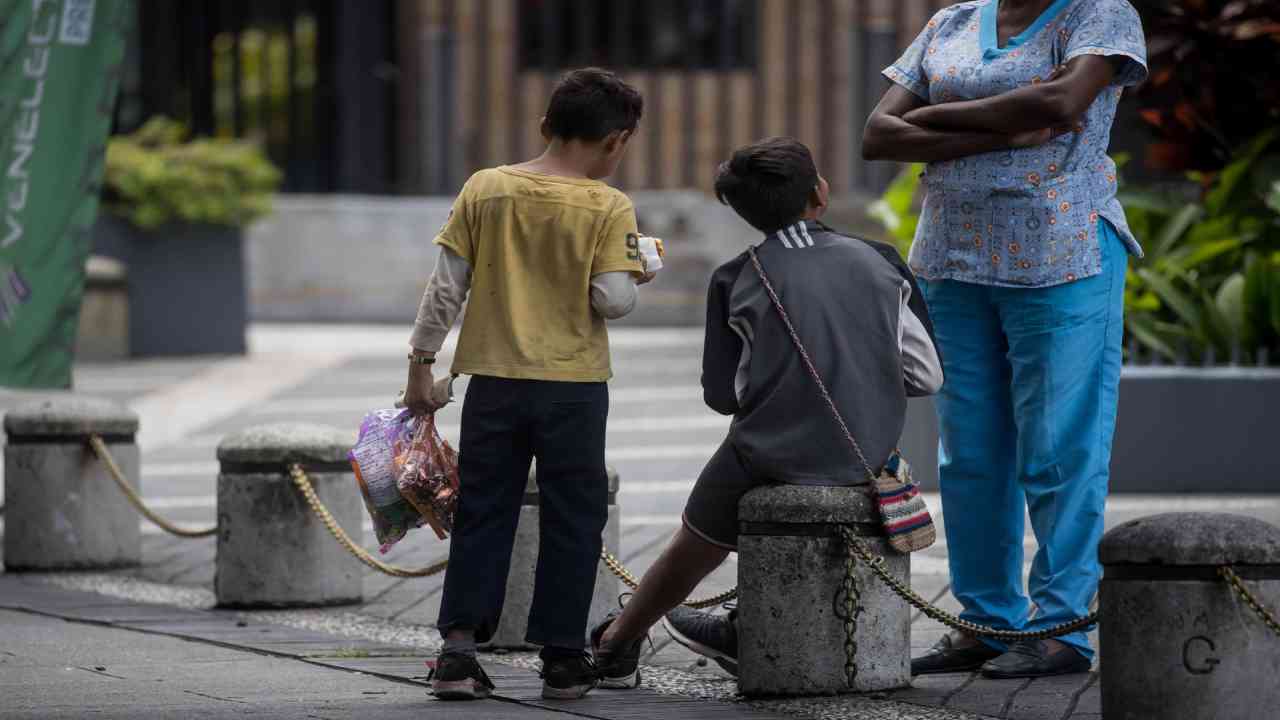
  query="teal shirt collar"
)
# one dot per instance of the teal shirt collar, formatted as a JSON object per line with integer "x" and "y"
{"x": 990, "y": 39}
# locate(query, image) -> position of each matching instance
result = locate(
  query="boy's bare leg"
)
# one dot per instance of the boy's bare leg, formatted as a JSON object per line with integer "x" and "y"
{"x": 686, "y": 561}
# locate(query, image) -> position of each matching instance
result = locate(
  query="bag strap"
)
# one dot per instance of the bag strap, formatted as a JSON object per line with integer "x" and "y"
{"x": 808, "y": 363}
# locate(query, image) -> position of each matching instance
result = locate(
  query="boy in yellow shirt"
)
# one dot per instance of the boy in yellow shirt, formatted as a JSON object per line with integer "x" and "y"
{"x": 547, "y": 253}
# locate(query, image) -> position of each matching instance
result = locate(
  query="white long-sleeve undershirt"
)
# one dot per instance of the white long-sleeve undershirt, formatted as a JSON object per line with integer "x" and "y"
{"x": 613, "y": 295}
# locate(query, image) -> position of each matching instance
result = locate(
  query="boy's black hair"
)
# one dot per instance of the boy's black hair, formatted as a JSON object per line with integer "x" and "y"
{"x": 590, "y": 103}
{"x": 768, "y": 182}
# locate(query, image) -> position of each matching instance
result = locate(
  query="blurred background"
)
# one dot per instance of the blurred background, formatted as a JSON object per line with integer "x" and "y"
{"x": 373, "y": 114}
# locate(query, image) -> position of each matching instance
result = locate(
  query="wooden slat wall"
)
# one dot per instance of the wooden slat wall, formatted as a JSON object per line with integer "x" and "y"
{"x": 815, "y": 79}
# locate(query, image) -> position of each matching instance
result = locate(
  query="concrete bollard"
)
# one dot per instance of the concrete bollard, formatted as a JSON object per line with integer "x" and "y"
{"x": 62, "y": 509}
{"x": 272, "y": 549}
{"x": 1176, "y": 640}
{"x": 790, "y": 568}
{"x": 524, "y": 560}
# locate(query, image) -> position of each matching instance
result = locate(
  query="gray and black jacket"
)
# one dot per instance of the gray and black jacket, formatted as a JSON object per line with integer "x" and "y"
{"x": 860, "y": 314}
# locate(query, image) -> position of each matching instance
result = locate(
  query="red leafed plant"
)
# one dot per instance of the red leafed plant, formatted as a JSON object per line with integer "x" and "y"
{"x": 1215, "y": 78}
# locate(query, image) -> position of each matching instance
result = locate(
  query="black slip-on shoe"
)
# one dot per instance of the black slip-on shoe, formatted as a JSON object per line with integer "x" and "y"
{"x": 458, "y": 677}
{"x": 567, "y": 677}
{"x": 712, "y": 636}
{"x": 618, "y": 668}
{"x": 1036, "y": 658}
{"x": 945, "y": 657}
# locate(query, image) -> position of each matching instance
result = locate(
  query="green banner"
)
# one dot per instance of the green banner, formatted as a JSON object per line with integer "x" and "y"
{"x": 60, "y": 66}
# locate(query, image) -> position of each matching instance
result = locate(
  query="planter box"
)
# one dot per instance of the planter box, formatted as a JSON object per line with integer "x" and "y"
{"x": 186, "y": 286}
{"x": 1180, "y": 430}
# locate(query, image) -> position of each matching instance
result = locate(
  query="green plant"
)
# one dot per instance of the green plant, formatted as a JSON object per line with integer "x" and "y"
{"x": 154, "y": 176}
{"x": 1210, "y": 283}
{"x": 897, "y": 209}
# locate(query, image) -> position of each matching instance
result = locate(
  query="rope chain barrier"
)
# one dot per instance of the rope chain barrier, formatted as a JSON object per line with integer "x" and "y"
{"x": 629, "y": 579}
{"x": 852, "y": 607}
{"x": 876, "y": 563}
{"x": 303, "y": 483}
{"x": 1250, "y": 599}
{"x": 856, "y": 549}
{"x": 103, "y": 453}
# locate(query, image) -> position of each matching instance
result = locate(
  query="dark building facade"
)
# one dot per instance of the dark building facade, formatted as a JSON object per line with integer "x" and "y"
{"x": 411, "y": 96}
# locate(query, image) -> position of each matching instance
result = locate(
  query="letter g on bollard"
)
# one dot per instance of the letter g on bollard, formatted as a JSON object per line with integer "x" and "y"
{"x": 1177, "y": 639}
{"x": 1196, "y": 657}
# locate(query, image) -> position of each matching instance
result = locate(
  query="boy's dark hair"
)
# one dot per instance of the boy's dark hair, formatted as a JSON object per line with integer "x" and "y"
{"x": 768, "y": 182}
{"x": 590, "y": 103}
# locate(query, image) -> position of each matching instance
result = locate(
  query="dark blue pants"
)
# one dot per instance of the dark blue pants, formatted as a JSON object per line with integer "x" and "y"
{"x": 505, "y": 425}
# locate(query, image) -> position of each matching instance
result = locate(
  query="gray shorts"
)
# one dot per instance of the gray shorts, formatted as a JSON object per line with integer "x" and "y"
{"x": 711, "y": 512}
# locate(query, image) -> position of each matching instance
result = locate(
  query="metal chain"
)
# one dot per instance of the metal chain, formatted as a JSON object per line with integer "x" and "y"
{"x": 1250, "y": 599}
{"x": 852, "y": 603}
{"x": 616, "y": 567}
{"x": 856, "y": 547}
{"x": 303, "y": 483}
{"x": 104, "y": 455}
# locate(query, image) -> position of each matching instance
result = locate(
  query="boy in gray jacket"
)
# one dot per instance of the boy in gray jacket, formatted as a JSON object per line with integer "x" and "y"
{"x": 856, "y": 307}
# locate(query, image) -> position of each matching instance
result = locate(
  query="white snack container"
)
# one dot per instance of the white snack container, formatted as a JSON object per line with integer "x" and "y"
{"x": 650, "y": 254}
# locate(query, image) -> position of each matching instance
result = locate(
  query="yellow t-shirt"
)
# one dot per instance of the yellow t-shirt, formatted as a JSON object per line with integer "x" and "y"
{"x": 533, "y": 242}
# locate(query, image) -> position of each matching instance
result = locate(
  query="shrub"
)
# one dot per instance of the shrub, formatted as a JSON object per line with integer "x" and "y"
{"x": 154, "y": 176}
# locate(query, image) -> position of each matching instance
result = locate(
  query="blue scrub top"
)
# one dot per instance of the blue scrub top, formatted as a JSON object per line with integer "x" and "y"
{"x": 1026, "y": 217}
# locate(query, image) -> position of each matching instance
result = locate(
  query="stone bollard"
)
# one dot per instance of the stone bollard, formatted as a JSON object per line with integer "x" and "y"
{"x": 272, "y": 549}
{"x": 1175, "y": 639}
{"x": 791, "y": 565}
{"x": 510, "y": 632}
{"x": 62, "y": 509}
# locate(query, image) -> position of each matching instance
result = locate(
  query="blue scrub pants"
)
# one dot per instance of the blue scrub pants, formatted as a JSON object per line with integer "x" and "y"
{"x": 1026, "y": 418}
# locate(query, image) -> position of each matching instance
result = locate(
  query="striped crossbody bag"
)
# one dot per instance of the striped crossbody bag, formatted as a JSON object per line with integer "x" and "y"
{"x": 903, "y": 514}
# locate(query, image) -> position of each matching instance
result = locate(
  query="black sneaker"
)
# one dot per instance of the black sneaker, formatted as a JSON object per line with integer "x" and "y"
{"x": 619, "y": 668}
{"x": 713, "y": 636}
{"x": 567, "y": 677}
{"x": 458, "y": 677}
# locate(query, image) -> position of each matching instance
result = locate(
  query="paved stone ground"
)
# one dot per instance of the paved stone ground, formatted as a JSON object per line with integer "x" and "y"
{"x": 71, "y": 654}
{"x": 660, "y": 434}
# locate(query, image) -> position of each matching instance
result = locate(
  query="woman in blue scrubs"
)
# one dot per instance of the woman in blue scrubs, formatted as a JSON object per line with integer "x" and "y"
{"x": 1021, "y": 250}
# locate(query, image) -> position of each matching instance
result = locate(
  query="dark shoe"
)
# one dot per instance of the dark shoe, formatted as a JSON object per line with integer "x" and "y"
{"x": 712, "y": 636}
{"x": 567, "y": 677}
{"x": 945, "y": 657}
{"x": 1036, "y": 658}
{"x": 619, "y": 668}
{"x": 458, "y": 677}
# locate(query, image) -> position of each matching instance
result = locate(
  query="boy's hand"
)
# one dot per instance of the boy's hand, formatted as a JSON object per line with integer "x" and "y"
{"x": 645, "y": 278}
{"x": 420, "y": 395}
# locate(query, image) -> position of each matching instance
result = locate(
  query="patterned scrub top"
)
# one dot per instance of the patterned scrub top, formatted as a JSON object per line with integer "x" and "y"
{"x": 1026, "y": 217}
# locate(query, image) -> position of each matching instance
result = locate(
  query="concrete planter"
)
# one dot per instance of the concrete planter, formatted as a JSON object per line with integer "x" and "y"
{"x": 352, "y": 258}
{"x": 186, "y": 286}
{"x": 1180, "y": 430}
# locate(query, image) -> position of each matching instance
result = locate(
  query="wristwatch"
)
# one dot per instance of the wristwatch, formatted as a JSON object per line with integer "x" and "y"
{"x": 421, "y": 359}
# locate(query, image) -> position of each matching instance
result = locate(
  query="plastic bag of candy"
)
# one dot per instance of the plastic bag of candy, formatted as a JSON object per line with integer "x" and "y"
{"x": 427, "y": 475}
{"x": 374, "y": 461}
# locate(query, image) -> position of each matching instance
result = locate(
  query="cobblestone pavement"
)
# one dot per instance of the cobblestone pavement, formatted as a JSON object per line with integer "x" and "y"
{"x": 660, "y": 434}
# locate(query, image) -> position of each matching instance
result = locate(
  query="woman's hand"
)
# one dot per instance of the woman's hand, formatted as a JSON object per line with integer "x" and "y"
{"x": 1032, "y": 138}
{"x": 1061, "y": 100}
